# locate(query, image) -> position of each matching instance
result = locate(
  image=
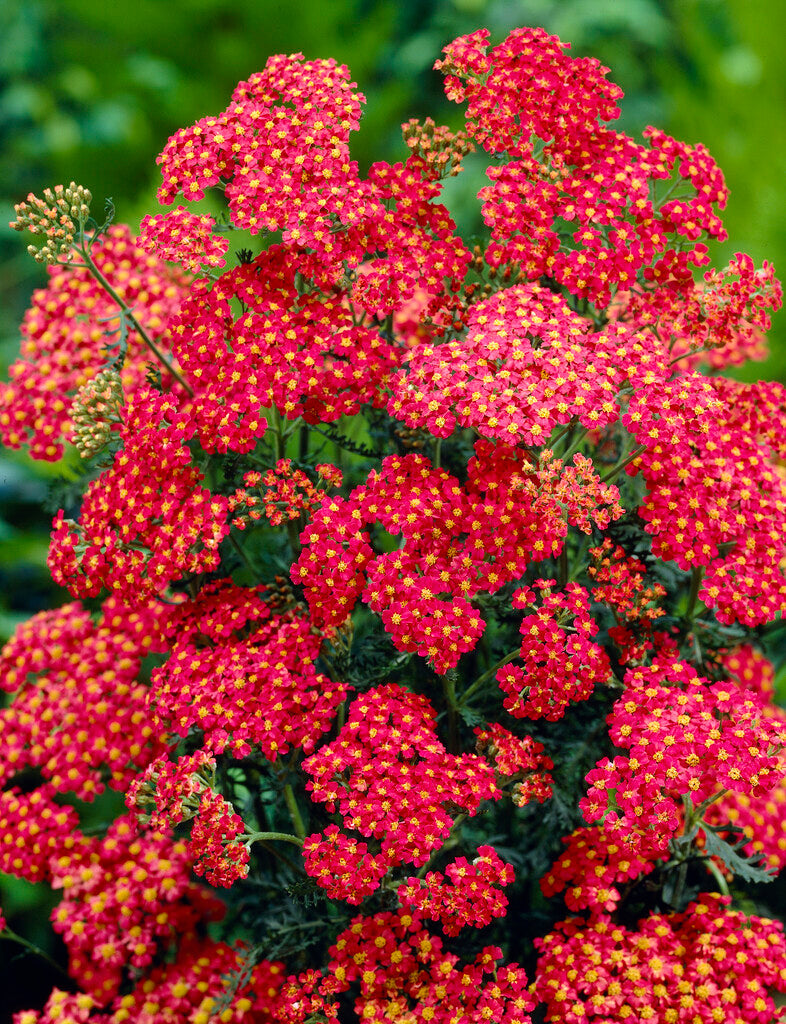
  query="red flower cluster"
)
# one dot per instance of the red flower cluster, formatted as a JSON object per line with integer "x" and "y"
{"x": 619, "y": 584}
{"x": 281, "y": 146}
{"x": 183, "y": 237}
{"x": 561, "y": 663}
{"x": 594, "y": 860}
{"x": 194, "y": 988}
{"x": 519, "y": 760}
{"x": 452, "y": 542}
{"x": 466, "y": 894}
{"x": 707, "y": 481}
{"x": 527, "y": 91}
{"x": 288, "y": 493}
{"x": 400, "y": 785}
{"x": 243, "y": 676}
{"x": 122, "y": 895}
{"x": 686, "y": 738}
{"x": 719, "y": 321}
{"x": 146, "y": 521}
{"x": 78, "y": 716}
{"x": 168, "y": 793}
{"x": 708, "y": 964}
{"x": 524, "y": 340}
{"x": 34, "y": 830}
{"x": 404, "y": 973}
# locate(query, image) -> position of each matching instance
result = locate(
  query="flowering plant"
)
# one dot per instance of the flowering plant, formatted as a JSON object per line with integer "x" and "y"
{"x": 419, "y": 590}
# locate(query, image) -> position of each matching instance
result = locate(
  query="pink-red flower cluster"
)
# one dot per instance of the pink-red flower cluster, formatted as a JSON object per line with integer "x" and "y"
{"x": 560, "y": 661}
{"x": 197, "y": 987}
{"x": 524, "y": 341}
{"x": 122, "y": 895}
{"x": 468, "y": 893}
{"x": 456, "y": 542}
{"x": 619, "y": 584}
{"x": 78, "y": 716}
{"x": 400, "y": 790}
{"x": 183, "y": 237}
{"x": 707, "y": 481}
{"x": 168, "y": 793}
{"x": 685, "y": 738}
{"x": 243, "y": 676}
{"x": 404, "y": 973}
{"x": 146, "y": 521}
{"x": 517, "y": 759}
{"x": 527, "y": 92}
{"x": 282, "y": 492}
{"x": 595, "y": 859}
{"x": 719, "y": 321}
{"x": 707, "y": 964}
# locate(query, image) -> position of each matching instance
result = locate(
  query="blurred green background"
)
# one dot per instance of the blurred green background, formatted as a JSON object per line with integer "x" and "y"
{"x": 90, "y": 91}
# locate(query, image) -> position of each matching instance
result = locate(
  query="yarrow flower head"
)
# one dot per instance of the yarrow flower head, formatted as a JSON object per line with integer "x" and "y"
{"x": 185, "y": 238}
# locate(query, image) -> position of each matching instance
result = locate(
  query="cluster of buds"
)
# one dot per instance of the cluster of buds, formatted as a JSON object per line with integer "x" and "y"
{"x": 497, "y": 277}
{"x": 95, "y": 412}
{"x": 442, "y": 149}
{"x": 57, "y": 217}
{"x": 411, "y": 439}
{"x": 280, "y": 594}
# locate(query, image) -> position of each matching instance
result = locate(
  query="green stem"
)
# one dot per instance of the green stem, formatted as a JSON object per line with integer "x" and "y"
{"x": 565, "y": 430}
{"x": 679, "y": 885}
{"x": 621, "y": 465}
{"x": 304, "y": 437}
{"x": 487, "y": 675}
{"x": 562, "y": 565}
{"x": 8, "y": 933}
{"x": 449, "y": 692}
{"x": 722, "y": 884}
{"x": 574, "y": 447}
{"x": 697, "y": 575}
{"x": 126, "y": 312}
{"x": 238, "y": 548}
{"x": 267, "y": 837}
{"x": 294, "y": 814}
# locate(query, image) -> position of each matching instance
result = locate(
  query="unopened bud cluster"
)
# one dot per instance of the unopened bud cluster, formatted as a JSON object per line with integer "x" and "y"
{"x": 442, "y": 149}
{"x": 57, "y": 216}
{"x": 95, "y": 411}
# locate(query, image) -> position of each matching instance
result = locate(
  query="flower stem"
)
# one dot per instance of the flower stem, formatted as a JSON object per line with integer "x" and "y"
{"x": 487, "y": 675}
{"x": 126, "y": 312}
{"x": 723, "y": 887}
{"x": 266, "y": 837}
{"x": 8, "y": 933}
{"x": 614, "y": 471}
{"x": 697, "y": 575}
{"x": 294, "y": 814}
{"x": 449, "y": 692}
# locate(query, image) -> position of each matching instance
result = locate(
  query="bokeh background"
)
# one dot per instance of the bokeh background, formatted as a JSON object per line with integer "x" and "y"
{"x": 91, "y": 90}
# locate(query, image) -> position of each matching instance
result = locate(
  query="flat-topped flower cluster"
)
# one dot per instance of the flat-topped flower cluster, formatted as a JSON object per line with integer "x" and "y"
{"x": 420, "y": 591}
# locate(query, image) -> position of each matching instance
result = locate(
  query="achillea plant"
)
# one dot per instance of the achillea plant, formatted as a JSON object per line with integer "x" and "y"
{"x": 419, "y": 589}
